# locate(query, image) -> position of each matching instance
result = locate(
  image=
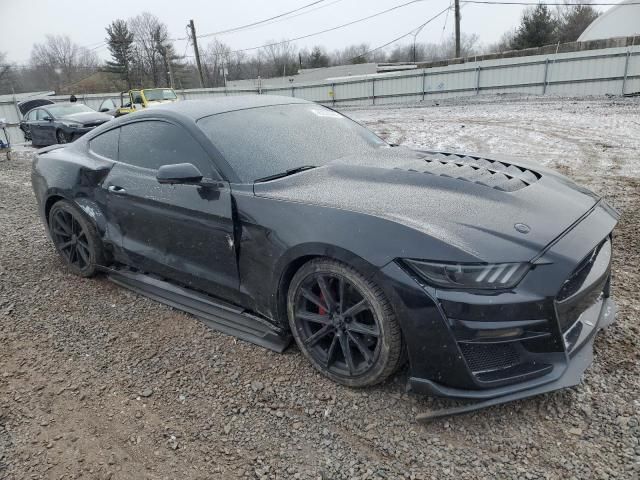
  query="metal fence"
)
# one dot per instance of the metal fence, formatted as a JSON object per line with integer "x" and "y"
{"x": 613, "y": 71}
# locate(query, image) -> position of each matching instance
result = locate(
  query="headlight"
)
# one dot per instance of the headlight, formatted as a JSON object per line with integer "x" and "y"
{"x": 470, "y": 275}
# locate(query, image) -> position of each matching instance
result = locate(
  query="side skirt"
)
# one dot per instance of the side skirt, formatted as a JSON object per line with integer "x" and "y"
{"x": 214, "y": 313}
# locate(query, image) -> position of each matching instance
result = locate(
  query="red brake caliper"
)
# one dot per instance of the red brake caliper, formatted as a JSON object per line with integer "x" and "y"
{"x": 321, "y": 311}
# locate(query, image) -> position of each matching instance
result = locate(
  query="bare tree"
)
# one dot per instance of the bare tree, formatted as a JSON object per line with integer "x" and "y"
{"x": 59, "y": 61}
{"x": 351, "y": 54}
{"x": 280, "y": 59}
{"x": 6, "y": 74}
{"x": 217, "y": 57}
{"x": 502, "y": 45}
{"x": 430, "y": 52}
{"x": 151, "y": 41}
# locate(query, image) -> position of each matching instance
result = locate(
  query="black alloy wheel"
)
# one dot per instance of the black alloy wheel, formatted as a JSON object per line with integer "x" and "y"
{"x": 343, "y": 324}
{"x": 75, "y": 239}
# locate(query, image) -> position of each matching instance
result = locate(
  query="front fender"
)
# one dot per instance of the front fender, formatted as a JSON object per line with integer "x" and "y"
{"x": 276, "y": 234}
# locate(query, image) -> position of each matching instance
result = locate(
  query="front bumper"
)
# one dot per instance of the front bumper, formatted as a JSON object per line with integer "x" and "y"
{"x": 565, "y": 373}
{"x": 494, "y": 347}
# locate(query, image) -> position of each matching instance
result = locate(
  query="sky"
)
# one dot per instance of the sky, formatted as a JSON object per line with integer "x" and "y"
{"x": 85, "y": 21}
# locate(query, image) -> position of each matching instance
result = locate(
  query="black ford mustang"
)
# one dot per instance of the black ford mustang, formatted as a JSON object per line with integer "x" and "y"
{"x": 269, "y": 217}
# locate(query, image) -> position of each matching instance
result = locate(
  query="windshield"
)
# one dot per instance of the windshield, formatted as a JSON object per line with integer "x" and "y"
{"x": 159, "y": 94}
{"x": 70, "y": 109}
{"x": 264, "y": 141}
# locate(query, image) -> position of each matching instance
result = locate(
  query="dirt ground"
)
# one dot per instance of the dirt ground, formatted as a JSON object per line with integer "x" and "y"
{"x": 97, "y": 382}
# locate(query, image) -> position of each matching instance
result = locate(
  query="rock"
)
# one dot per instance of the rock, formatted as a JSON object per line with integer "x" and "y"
{"x": 257, "y": 386}
{"x": 146, "y": 393}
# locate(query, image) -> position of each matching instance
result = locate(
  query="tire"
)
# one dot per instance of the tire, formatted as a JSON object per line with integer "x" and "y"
{"x": 61, "y": 137}
{"x": 358, "y": 318}
{"x": 76, "y": 239}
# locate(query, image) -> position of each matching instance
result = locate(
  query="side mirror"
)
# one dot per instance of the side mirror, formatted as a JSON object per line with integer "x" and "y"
{"x": 48, "y": 119}
{"x": 102, "y": 110}
{"x": 179, "y": 173}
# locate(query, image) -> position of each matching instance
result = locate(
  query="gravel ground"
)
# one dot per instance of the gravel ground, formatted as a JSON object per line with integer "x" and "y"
{"x": 98, "y": 382}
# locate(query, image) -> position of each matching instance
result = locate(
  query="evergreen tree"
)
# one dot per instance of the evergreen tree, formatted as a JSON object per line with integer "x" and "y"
{"x": 537, "y": 28}
{"x": 573, "y": 20}
{"x": 318, "y": 58}
{"x": 120, "y": 44}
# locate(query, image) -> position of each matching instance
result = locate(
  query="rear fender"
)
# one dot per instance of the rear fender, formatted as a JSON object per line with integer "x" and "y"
{"x": 93, "y": 211}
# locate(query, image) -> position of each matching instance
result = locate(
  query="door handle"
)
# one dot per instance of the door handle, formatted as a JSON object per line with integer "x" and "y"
{"x": 116, "y": 189}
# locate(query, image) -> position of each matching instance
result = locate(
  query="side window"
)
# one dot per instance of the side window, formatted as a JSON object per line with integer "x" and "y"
{"x": 40, "y": 114}
{"x": 153, "y": 143}
{"x": 106, "y": 105}
{"x": 30, "y": 116}
{"x": 106, "y": 145}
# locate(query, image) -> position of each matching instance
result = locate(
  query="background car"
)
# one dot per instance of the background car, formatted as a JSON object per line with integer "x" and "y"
{"x": 272, "y": 217}
{"x": 133, "y": 100}
{"x": 60, "y": 123}
{"x": 30, "y": 103}
{"x": 109, "y": 107}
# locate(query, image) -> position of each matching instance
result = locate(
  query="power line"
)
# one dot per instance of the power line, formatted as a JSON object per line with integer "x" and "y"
{"x": 241, "y": 27}
{"x": 326, "y": 30}
{"x": 410, "y": 32}
{"x": 103, "y": 44}
{"x": 551, "y": 4}
{"x": 304, "y": 13}
{"x": 267, "y": 21}
{"x": 93, "y": 44}
{"x": 446, "y": 18}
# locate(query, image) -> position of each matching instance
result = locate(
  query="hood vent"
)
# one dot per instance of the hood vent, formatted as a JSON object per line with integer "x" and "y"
{"x": 502, "y": 176}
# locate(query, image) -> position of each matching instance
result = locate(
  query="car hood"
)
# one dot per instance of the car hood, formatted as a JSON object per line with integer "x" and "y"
{"x": 494, "y": 211}
{"x": 87, "y": 117}
{"x": 157, "y": 103}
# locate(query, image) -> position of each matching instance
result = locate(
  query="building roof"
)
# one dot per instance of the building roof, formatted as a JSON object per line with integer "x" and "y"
{"x": 622, "y": 20}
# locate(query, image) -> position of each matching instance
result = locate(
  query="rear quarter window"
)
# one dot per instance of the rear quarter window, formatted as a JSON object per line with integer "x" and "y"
{"x": 106, "y": 144}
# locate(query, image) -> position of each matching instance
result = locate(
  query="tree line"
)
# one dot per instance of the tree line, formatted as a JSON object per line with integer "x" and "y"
{"x": 142, "y": 54}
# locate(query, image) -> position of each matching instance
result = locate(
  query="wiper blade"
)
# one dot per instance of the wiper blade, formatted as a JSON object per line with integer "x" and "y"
{"x": 286, "y": 173}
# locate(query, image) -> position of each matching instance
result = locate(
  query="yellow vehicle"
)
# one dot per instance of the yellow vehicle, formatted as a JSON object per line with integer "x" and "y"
{"x": 144, "y": 98}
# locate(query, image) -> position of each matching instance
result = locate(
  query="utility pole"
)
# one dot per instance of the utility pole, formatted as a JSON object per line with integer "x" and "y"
{"x": 457, "y": 7}
{"x": 197, "y": 53}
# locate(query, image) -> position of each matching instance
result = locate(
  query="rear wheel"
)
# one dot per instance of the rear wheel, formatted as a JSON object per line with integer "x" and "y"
{"x": 343, "y": 323}
{"x": 76, "y": 239}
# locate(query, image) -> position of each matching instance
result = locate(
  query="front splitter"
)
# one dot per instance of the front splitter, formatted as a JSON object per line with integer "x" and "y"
{"x": 571, "y": 376}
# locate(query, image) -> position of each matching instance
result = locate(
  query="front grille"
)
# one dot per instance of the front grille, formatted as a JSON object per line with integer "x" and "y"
{"x": 495, "y": 356}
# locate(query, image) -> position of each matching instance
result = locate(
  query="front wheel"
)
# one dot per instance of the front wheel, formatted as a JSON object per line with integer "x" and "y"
{"x": 76, "y": 239}
{"x": 61, "y": 137}
{"x": 343, "y": 323}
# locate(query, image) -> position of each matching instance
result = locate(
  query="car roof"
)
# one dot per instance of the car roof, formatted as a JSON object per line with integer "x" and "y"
{"x": 197, "y": 109}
